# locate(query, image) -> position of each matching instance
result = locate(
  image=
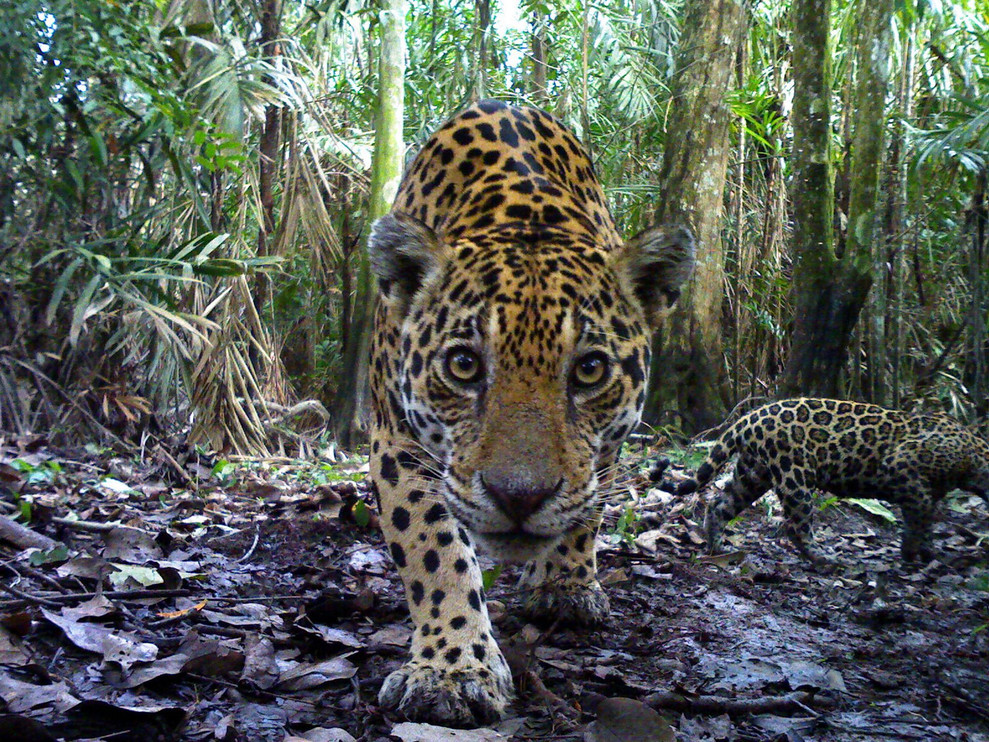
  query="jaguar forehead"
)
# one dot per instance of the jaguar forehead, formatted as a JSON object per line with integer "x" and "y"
{"x": 529, "y": 310}
{"x": 523, "y": 336}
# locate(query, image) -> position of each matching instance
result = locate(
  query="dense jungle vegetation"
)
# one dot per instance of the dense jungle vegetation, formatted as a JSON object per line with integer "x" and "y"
{"x": 186, "y": 188}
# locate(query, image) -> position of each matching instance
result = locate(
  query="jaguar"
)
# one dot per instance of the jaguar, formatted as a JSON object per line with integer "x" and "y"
{"x": 848, "y": 449}
{"x": 509, "y": 360}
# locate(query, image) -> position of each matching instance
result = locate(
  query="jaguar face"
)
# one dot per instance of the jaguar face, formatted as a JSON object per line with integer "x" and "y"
{"x": 522, "y": 386}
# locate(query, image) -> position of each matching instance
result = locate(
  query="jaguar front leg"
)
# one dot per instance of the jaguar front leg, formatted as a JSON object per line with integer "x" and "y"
{"x": 562, "y": 583}
{"x": 457, "y": 674}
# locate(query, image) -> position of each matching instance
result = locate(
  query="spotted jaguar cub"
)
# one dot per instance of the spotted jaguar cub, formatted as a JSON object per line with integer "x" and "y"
{"x": 508, "y": 363}
{"x": 848, "y": 449}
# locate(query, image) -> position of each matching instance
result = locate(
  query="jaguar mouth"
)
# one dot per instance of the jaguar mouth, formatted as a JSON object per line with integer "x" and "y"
{"x": 517, "y": 546}
{"x": 519, "y": 537}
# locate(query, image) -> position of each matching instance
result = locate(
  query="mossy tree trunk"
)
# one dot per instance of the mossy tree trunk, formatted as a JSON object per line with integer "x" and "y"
{"x": 899, "y": 219}
{"x": 688, "y": 360}
{"x": 866, "y": 243}
{"x": 386, "y": 175}
{"x": 828, "y": 291}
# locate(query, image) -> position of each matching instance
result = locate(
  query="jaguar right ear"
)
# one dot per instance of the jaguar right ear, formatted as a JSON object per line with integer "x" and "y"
{"x": 404, "y": 254}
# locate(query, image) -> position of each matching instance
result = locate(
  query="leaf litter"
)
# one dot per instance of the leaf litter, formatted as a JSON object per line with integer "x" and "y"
{"x": 183, "y": 597}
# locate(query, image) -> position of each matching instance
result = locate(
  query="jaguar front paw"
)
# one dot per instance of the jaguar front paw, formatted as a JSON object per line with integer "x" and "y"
{"x": 464, "y": 697}
{"x": 584, "y": 604}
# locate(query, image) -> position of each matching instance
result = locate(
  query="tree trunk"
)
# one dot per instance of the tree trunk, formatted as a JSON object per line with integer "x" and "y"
{"x": 896, "y": 231}
{"x": 977, "y": 225}
{"x": 271, "y": 22}
{"x": 828, "y": 292}
{"x": 386, "y": 174}
{"x": 483, "y": 10}
{"x": 865, "y": 244}
{"x": 540, "y": 95}
{"x": 687, "y": 368}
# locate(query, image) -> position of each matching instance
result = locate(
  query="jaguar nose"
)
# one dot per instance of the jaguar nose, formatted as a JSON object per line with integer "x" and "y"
{"x": 516, "y": 497}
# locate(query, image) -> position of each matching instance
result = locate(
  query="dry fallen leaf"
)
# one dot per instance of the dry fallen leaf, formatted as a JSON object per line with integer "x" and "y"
{"x": 319, "y": 734}
{"x": 311, "y": 675}
{"x": 409, "y": 732}
{"x": 12, "y": 651}
{"x": 185, "y": 611}
{"x": 18, "y": 695}
{"x": 117, "y": 646}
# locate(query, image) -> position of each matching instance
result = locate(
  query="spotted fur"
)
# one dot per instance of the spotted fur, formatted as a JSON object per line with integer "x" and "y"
{"x": 505, "y": 289}
{"x": 848, "y": 449}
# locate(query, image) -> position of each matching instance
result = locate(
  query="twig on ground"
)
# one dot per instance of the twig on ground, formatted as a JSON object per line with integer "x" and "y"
{"x": 798, "y": 701}
{"x": 27, "y": 597}
{"x": 528, "y": 681}
{"x": 79, "y": 525}
{"x": 247, "y": 555}
{"x": 95, "y": 526}
{"x": 23, "y": 537}
{"x": 57, "y": 600}
{"x": 159, "y": 450}
{"x": 521, "y": 658}
{"x": 27, "y": 569}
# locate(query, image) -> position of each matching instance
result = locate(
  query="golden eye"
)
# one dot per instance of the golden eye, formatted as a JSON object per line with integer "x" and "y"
{"x": 464, "y": 365}
{"x": 590, "y": 370}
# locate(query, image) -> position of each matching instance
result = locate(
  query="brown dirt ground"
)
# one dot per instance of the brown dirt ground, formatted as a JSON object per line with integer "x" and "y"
{"x": 290, "y": 579}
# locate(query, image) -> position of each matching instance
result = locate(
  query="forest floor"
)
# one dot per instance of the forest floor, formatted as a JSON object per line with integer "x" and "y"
{"x": 198, "y": 599}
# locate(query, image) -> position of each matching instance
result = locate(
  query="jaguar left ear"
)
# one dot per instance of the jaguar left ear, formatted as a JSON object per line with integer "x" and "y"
{"x": 657, "y": 262}
{"x": 404, "y": 253}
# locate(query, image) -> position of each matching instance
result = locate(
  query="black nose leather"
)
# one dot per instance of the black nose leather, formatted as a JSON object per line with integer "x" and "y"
{"x": 517, "y": 498}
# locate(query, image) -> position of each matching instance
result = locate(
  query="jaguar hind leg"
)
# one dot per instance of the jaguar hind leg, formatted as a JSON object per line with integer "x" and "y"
{"x": 750, "y": 482}
{"x": 918, "y": 508}
{"x": 798, "y": 508}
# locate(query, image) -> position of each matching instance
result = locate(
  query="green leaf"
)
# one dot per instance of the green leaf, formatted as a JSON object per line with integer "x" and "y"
{"x": 56, "y": 554}
{"x": 22, "y": 466}
{"x": 60, "y": 287}
{"x": 490, "y": 576}
{"x": 223, "y": 267}
{"x": 98, "y": 148}
{"x": 82, "y": 304}
{"x": 146, "y": 576}
{"x": 223, "y": 469}
{"x": 362, "y": 516}
{"x": 875, "y": 507}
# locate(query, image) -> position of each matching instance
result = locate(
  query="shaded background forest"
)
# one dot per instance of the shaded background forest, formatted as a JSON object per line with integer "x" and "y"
{"x": 185, "y": 192}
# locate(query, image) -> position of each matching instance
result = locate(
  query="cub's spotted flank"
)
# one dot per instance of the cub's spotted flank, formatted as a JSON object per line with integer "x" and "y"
{"x": 848, "y": 449}
{"x": 508, "y": 363}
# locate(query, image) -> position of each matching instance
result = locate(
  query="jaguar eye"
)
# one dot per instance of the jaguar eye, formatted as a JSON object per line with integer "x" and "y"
{"x": 590, "y": 370}
{"x": 464, "y": 365}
